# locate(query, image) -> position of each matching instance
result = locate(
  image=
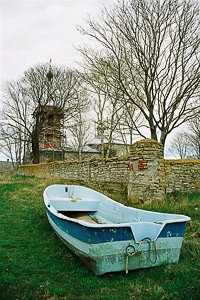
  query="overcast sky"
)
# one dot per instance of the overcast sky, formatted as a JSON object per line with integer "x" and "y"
{"x": 33, "y": 31}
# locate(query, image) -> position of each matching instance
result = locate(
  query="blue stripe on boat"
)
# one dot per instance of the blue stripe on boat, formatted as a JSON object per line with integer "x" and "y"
{"x": 111, "y": 234}
{"x": 90, "y": 234}
{"x": 173, "y": 230}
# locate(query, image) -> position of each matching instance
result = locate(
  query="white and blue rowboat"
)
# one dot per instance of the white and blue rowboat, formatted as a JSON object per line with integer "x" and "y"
{"x": 109, "y": 236}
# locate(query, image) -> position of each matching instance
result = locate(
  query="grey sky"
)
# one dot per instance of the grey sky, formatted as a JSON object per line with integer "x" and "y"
{"x": 34, "y": 31}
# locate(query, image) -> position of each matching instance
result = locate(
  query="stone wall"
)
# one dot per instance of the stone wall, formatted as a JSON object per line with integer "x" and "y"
{"x": 113, "y": 173}
{"x": 145, "y": 175}
{"x": 182, "y": 175}
{"x": 6, "y": 166}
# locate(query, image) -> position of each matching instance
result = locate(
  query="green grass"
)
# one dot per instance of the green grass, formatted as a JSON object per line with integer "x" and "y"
{"x": 35, "y": 264}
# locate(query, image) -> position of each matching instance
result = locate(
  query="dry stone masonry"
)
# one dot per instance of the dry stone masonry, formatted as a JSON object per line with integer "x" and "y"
{"x": 145, "y": 175}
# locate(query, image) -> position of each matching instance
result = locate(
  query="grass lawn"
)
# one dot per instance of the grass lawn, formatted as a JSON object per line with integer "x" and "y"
{"x": 35, "y": 264}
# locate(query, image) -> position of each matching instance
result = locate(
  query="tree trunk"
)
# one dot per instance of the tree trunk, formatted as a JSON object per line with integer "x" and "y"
{"x": 163, "y": 137}
{"x": 79, "y": 153}
{"x": 153, "y": 133}
{"x": 35, "y": 149}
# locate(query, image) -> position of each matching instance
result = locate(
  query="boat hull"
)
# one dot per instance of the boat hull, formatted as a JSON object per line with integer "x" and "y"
{"x": 105, "y": 252}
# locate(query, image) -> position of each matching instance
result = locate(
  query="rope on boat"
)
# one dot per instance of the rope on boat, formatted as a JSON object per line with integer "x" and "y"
{"x": 131, "y": 251}
{"x": 153, "y": 242}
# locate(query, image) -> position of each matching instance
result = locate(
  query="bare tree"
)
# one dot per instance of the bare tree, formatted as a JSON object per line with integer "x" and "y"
{"x": 180, "y": 146}
{"x": 26, "y": 99}
{"x": 187, "y": 143}
{"x": 131, "y": 123}
{"x": 7, "y": 145}
{"x": 154, "y": 47}
{"x": 80, "y": 126}
{"x": 194, "y": 136}
{"x": 95, "y": 75}
{"x": 107, "y": 96}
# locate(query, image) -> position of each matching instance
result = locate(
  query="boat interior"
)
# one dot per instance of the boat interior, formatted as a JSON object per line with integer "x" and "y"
{"x": 93, "y": 207}
{"x": 84, "y": 216}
